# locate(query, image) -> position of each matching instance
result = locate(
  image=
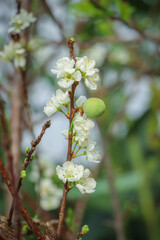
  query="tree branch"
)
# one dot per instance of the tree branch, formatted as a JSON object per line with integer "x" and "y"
{"x": 35, "y": 229}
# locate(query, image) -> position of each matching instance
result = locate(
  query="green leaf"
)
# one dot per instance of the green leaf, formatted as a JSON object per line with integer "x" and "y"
{"x": 125, "y": 10}
{"x": 87, "y": 8}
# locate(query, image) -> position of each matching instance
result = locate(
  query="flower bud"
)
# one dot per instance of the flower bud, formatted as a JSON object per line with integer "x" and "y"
{"x": 27, "y": 149}
{"x": 23, "y": 174}
{"x": 93, "y": 107}
{"x": 72, "y": 39}
{"x": 33, "y": 155}
{"x": 85, "y": 229}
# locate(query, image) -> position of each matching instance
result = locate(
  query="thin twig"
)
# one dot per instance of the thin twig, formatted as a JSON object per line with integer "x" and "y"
{"x": 35, "y": 229}
{"x": 48, "y": 10}
{"x": 80, "y": 234}
{"x": 28, "y": 160}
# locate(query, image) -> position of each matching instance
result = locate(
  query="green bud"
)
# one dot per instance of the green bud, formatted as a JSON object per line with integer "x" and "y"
{"x": 85, "y": 229}
{"x": 33, "y": 155}
{"x": 27, "y": 149}
{"x": 24, "y": 229}
{"x": 72, "y": 39}
{"x": 80, "y": 238}
{"x": 25, "y": 159}
{"x": 93, "y": 107}
{"x": 23, "y": 174}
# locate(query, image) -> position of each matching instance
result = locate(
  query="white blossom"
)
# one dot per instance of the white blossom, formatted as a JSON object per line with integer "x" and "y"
{"x": 82, "y": 127}
{"x": 62, "y": 97}
{"x": 14, "y": 52}
{"x": 21, "y": 21}
{"x": 66, "y": 72}
{"x": 50, "y": 194}
{"x": 46, "y": 166}
{"x": 80, "y": 101}
{"x": 89, "y": 72}
{"x": 64, "y": 66}
{"x": 52, "y": 106}
{"x": 50, "y": 202}
{"x": 92, "y": 153}
{"x": 90, "y": 81}
{"x": 69, "y": 79}
{"x": 70, "y": 172}
{"x": 86, "y": 66}
{"x": 46, "y": 187}
{"x": 86, "y": 184}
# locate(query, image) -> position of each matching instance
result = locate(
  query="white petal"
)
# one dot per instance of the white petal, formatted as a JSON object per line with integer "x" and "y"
{"x": 90, "y": 84}
{"x": 80, "y": 101}
{"x": 65, "y": 83}
{"x": 77, "y": 76}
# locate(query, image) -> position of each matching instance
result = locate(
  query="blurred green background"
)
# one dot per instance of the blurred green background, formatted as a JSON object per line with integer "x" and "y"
{"x": 124, "y": 38}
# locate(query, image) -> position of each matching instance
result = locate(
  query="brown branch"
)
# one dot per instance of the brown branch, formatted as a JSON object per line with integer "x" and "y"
{"x": 35, "y": 229}
{"x": 80, "y": 234}
{"x": 28, "y": 160}
{"x": 62, "y": 211}
{"x": 70, "y": 137}
{"x": 48, "y": 10}
{"x": 18, "y": 6}
{"x": 7, "y": 143}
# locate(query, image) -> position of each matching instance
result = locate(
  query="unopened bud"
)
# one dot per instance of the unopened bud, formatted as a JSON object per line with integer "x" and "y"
{"x": 72, "y": 39}
{"x": 33, "y": 156}
{"x": 85, "y": 229}
{"x": 27, "y": 149}
{"x": 23, "y": 174}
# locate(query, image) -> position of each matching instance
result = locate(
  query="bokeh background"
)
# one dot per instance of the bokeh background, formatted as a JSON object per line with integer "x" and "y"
{"x": 123, "y": 36}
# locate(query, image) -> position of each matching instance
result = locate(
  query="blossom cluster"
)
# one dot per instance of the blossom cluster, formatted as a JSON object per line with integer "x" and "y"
{"x": 21, "y": 21}
{"x": 76, "y": 174}
{"x": 69, "y": 71}
{"x": 14, "y": 52}
{"x": 50, "y": 194}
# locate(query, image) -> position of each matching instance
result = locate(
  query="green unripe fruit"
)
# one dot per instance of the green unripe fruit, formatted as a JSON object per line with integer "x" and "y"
{"x": 93, "y": 107}
{"x": 23, "y": 174}
{"x": 85, "y": 229}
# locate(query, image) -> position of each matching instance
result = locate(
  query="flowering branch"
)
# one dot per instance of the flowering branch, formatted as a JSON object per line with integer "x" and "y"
{"x": 69, "y": 72}
{"x": 70, "y": 137}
